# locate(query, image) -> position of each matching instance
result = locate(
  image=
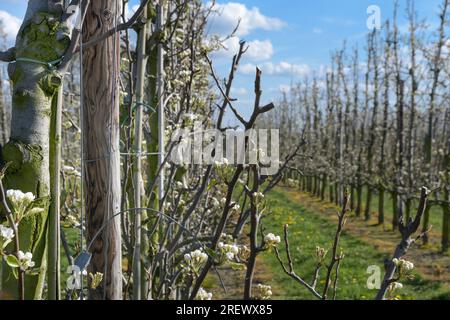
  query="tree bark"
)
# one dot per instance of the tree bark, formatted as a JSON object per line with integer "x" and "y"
{"x": 101, "y": 64}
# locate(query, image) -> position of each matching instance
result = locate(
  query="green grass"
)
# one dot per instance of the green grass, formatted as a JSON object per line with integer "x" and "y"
{"x": 308, "y": 230}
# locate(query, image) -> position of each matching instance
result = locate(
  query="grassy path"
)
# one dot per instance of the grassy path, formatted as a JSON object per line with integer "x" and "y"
{"x": 363, "y": 246}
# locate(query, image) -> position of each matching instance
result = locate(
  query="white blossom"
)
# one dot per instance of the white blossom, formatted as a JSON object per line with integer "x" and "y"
{"x": 203, "y": 295}
{"x": 19, "y": 202}
{"x": 396, "y": 285}
{"x": 264, "y": 292}
{"x": 6, "y": 233}
{"x": 18, "y": 197}
{"x": 223, "y": 162}
{"x": 215, "y": 202}
{"x": 230, "y": 255}
{"x": 71, "y": 171}
{"x": 25, "y": 260}
{"x": 179, "y": 184}
{"x": 258, "y": 196}
{"x": 191, "y": 117}
{"x": 403, "y": 264}
{"x": 195, "y": 260}
{"x": 272, "y": 240}
{"x": 235, "y": 207}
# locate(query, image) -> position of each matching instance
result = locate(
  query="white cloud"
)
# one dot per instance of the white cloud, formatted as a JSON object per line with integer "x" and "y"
{"x": 10, "y": 25}
{"x": 248, "y": 68}
{"x": 258, "y": 50}
{"x": 317, "y": 31}
{"x": 226, "y": 17}
{"x": 282, "y": 68}
{"x": 340, "y": 22}
{"x": 238, "y": 91}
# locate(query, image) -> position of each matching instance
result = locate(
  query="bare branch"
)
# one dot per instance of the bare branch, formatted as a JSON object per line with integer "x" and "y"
{"x": 407, "y": 230}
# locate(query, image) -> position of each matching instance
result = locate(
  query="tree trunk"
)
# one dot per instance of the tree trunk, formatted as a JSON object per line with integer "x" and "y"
{"x": 101, "y": 65}
{"x": 331, "y": 192}
{"x": 352, "y": 197}
{"x": 399, "y": 146}
{"x": 372, "y": 136}
{"x": 336, "y": 193}
{"x": 324, "y": 185}
{"x": 446, "y": 223}
{"x": 382, "y": 164}
{"x": 426, "y": 223}
{"x": 359, "y": 189}
{"x": 380, "y": 205}
{"x": 368, "y": 203}
{"x": 408, "y": 204}
{"x": 41, "y": 39}
{"x": 394, "y": 210}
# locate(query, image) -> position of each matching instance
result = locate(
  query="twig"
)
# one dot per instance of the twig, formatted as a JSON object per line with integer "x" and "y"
{"x": 291, "y": 271}
{"x": 9, "y": 216}
{"x": 407, "y": 231}
{"x": 334, "y": 258}
{"x": 336, "y": 276}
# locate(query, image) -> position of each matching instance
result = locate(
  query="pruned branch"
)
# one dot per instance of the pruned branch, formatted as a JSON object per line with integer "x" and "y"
{"x": 334, "y": 263}
{"x": 290, "y": 272}
{"x": 335, "y": 258}
{"x": 407, "y": 230}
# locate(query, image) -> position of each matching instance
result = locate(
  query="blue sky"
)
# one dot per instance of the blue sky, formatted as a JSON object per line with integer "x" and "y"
{"x": 303, "y": 38}
{"x": 288, "y": 38}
